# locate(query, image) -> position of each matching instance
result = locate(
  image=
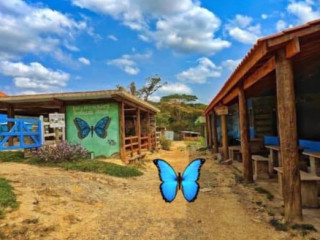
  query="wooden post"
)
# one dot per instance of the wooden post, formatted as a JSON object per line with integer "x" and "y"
{"x": 215, "y": 133}
{"x": 288, "y": 137}
{"x": 209, "y": 138}
{"x": 224, "y": 129}
{"x": 244, "y": 133}
{"x": 138, "y": 128}
{"x": 10, "y": 113}
{"x": 63, "y": 109}
{"x": 148, "y": 131}
{"x": 122, "y": 132}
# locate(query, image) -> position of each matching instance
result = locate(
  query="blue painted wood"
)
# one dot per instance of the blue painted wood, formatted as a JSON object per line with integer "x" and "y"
{"x": 21, "y": 129}
{"x": 271, "y": 140}
{"x": 309, "y": 146}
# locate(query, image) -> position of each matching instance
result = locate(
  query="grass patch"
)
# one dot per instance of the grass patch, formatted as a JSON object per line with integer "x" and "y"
{"x": 7, "y": 197}
{"x": 264, "y": 191}
{"x": 96, "y": 167}
{"x": 12, "y": 156}
{"x": 278, "y": 225}
{"x": 304, "y": 227}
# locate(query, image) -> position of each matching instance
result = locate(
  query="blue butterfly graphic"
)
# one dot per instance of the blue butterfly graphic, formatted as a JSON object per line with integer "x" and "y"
{"x": 171, "y": 182}
{"x": 84, "y": 129}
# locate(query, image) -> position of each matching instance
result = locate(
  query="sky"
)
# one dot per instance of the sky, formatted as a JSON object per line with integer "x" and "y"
{"x": 85, "y": 45}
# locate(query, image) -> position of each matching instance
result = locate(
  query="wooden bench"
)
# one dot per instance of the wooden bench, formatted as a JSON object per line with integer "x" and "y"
{"x": 260, "y": 167}
{"x": 309, "y": 188}
{"x": 235, "y": 153}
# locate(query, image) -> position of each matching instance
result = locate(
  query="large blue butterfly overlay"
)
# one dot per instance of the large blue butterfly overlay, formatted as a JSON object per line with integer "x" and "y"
{"x": 84, "y": 129}
{"x": 171, "y": 182}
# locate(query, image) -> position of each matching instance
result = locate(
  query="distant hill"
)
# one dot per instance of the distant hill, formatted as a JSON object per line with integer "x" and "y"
{"x": 179, "y": 112}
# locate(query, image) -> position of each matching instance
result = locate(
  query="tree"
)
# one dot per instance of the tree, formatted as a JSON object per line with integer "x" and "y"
{"x": 185, "y": 98}
{"x": 151, "y": 86}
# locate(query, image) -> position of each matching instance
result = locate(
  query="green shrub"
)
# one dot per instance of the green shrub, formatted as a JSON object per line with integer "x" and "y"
{"x": 11, "y": 156}
{"x": 7, "y": 197}
{"x": 165, "y": 143}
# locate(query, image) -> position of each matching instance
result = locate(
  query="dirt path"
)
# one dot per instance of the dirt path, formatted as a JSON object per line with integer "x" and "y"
{"x": 58, "y": 204}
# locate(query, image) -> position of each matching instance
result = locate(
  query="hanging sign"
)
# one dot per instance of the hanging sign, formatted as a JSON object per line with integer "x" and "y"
{"x": 57, "y": 120}
{"x": 222, "y": 110}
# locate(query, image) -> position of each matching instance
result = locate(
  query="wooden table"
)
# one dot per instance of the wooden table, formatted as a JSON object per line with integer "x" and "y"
{"x": 233, "y": 150}
{"x": 314, "y": 158}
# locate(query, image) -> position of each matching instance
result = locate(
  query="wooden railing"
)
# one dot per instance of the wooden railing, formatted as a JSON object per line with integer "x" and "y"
{"x": 134, "y": 148}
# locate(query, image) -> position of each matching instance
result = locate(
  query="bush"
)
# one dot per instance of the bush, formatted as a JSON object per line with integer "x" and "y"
{"x": 61, "y": 152}
{"x": 165, "y": 143}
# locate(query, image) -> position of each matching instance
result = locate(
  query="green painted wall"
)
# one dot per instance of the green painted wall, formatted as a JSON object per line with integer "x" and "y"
{"x": 91, "y": 114}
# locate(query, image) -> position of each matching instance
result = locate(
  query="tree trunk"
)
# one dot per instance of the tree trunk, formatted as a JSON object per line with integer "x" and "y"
{"x": 288, "y": 137}
{"x": 244, "y": 133}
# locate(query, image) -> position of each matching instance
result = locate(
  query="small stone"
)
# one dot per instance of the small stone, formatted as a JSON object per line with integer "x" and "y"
{"x": 205, "y": 189}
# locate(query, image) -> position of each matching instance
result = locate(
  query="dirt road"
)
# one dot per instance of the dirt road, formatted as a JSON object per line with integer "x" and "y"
{"x": 58, "y": 204}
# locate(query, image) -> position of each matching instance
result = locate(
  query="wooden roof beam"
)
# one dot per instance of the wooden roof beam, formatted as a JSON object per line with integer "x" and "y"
{"x": 292, "y": 48}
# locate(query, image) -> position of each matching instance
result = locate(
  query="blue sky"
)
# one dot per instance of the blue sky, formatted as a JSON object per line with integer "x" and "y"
{"x": 83, "y": 45}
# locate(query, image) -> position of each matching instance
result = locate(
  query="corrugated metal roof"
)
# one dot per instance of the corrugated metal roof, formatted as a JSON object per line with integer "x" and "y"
{"x": 70, "y": 96}
{"x": 290, "y": 33}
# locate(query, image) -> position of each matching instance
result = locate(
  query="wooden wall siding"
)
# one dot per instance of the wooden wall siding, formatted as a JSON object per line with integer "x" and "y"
{"x": 264, "y": 110}
{"x": 288, "y": 138}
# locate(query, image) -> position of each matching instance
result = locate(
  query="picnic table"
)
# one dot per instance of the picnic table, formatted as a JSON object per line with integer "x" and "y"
{"x": 274, "y": 157}
{"x": 314, "y": 158}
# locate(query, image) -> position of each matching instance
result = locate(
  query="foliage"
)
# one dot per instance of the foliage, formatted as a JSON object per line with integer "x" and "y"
{"x": 102, "y": 167}
{"x": 11, "y": 156}
{"x": 264, "y": 191}
{"x": 179, "y": 116}
{"x": 151, "y": 86}
{"x": 165, "y": 143}
{"x": 61, "y": 152}
{"x": 7, "y": 197}
{"x": 180, "y": 98}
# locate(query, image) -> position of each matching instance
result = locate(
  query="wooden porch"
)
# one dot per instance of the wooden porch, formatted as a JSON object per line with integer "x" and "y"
{"x": 283, "y": 66}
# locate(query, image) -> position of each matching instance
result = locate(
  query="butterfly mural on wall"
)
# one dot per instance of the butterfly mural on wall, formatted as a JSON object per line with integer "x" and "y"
{"x": 84, "y": 128}
{"x": 187, "y": 182}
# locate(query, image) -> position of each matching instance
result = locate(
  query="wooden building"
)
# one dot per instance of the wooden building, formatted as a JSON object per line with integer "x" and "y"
{"x": 284, "y": 70}
{"x": 108, "y": 123}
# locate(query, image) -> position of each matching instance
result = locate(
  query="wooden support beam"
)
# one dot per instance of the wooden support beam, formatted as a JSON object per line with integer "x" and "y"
{"x": 244, "y": 134}
{"x": 138, "y": 129}
{"x": 261, "y": 72}
{"x": 208, "y": 129}
{"x": 215, "y": 133}
{"x": 10, "y": 113}
{"x": 232, "y": 95}
{"x": 122, "y": 132}
{"x": 288, "y": 137}
{"x": 292, "y": 48}
{"x": 148, "y": 131}
{"x": 224, "y": 129}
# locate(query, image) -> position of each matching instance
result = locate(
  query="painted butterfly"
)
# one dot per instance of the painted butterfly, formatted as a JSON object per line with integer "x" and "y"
{"x": 171, "y": 182}
{"x": 84, "y": 129}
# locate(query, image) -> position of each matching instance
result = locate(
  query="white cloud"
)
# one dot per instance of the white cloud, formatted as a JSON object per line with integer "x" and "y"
{"x": 173, "y": 88}
{"x": 264, "y": 16}
{"x": 182, "y": 25}
{"x": 305, "y": 11}
{"x": 155, "y": 98}
{"x": 33, "y": 29}
{"x": 128, "y": 63}
{"x": 242, "y": 31}
{"x": 281, "y": 25}
{"x": 84, "y": 61}
{"x": 231, "y": 64}
{"x": 34, "y": 77}
{"x": 112, "y": 37}
{"x": 199, "y": 74}
{"x": 144, "y": 38}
